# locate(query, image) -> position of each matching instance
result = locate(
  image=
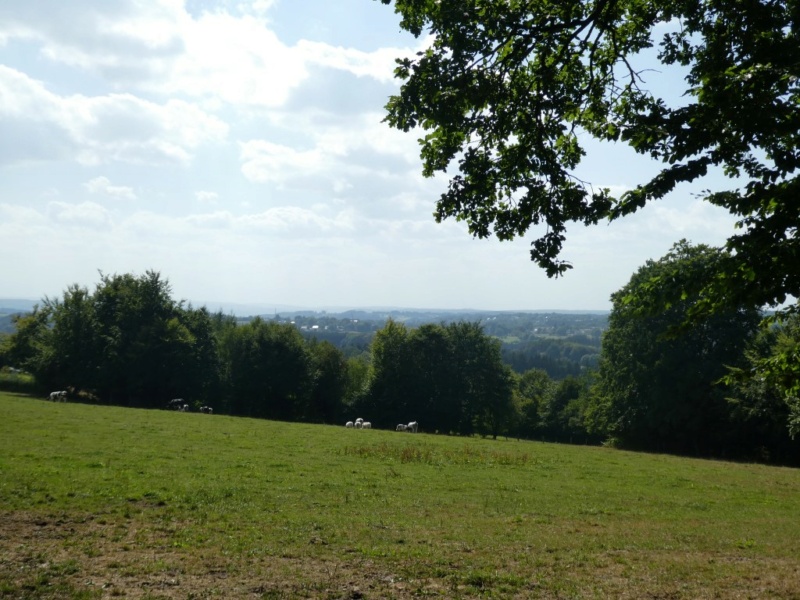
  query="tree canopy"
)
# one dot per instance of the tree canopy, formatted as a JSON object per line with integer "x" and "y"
{"x": 659, "y": 391}
{"x": 452, "y": 375}
{"x": 128, "y": 342}
{"x": 507, "y": 89}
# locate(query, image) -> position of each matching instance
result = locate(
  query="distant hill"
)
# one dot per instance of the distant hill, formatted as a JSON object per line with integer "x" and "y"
{"x": 6, "y": 324}
{"x": 15, "y": 305}
{"x": 10, "y": 307}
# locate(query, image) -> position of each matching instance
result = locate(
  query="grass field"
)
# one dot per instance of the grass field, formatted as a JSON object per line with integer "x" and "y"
{"x": 103, "y": 502}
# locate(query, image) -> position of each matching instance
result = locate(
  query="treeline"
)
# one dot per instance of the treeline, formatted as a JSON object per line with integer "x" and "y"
{"x": 130, "y": 343}
{"x": 560, "y": 358}
{"x": 716, "y": 388}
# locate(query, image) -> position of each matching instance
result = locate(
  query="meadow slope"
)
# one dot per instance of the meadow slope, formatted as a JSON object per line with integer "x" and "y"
{"x": 106, "y": 502}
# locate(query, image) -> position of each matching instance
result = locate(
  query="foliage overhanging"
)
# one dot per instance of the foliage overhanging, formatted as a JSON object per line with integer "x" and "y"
{"x": 506, "y": 88}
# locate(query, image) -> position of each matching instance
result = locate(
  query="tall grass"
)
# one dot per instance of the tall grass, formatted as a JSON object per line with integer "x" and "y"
{"x": 112, "y": 502}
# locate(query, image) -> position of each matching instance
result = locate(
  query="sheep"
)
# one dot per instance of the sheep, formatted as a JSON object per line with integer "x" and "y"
{"x": 176, "y": 404}
{"x": 366, "y": 425}
{"x": 412, "y": 427}
{"x": 401, "y": 427}
{"x": 60, "y": 396}
{"x": 359, "y": 424}
{"x": 349, "y": 424}
{"x": 207, "y": 410}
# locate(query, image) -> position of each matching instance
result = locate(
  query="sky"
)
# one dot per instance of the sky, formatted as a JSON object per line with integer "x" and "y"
{"x": 237, "y": 147}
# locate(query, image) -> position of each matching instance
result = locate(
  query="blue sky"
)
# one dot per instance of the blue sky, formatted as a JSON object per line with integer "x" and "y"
{"x": 237, "y": 147}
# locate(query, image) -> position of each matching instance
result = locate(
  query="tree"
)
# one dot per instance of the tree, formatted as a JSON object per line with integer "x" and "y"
{"x": 356, "y": 386}
{"x": 74, "y": 340}
{"x": 507, "y": 88}
{"x": 534, "y": 388}
{"x": 145, "y": 345}
{"x": 268, "y": 370}
{"x": 766, "y": 390}
{"x": 29, "y": 347}
{"x": 390, "y": 397}
{"x": 433, "y": 379}
{"x": 480, "y": 380}
{"x": 127, "y": 343}
{"x": 562, "y": 414}
{"x": 329, "y": 380}
{"x": 199, "y": 375}
{"x": 656, "y": 390}
{"x": 449, "y": 378}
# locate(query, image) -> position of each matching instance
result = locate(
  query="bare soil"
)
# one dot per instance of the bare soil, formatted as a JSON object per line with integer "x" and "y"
{"x": 61, "y": 553}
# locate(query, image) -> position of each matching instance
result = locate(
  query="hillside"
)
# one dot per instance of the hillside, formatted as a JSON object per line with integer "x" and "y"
{"x": 102, "y": 502}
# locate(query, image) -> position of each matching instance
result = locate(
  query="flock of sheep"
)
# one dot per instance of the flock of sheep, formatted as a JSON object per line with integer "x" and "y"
{"x": 180, "y": 405}
{"x": 360, "y": 423}
{"x": 412, "y": 427}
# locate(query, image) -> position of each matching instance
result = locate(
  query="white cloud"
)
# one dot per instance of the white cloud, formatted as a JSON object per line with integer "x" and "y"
{"x": 206, "y": 197}
{"x": 84, "y": 215}
{"x": 379, "y": 64}
{"x": 352, "y": 157}
{"x": 100, "y": 129}
{"x": 698, "y": 220}
{"x": 102, "y": 185}
{"x": 295, "y": 220}
{"x": 125, "y": 40}
{"x": 289, "y": 186}
{"x": 159, "y": 47}
{"x": 19, "y": 218}
{"x": 261, "y": 7}
{"x": 238, "y": 60}
{"x": 264, "y": 161}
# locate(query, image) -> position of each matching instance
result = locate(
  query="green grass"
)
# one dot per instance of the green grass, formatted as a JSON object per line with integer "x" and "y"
{"x": 104, "y": 502}
{"x": 17, "y": 382}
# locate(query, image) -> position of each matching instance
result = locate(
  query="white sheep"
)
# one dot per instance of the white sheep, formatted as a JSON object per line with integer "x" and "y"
{"x": 349, "y": 424}
{"x": 412, "y": 427}
{"x": 401, "y": 427}
{"x": 366, "y": 425}
{"x": 58, "y": 396}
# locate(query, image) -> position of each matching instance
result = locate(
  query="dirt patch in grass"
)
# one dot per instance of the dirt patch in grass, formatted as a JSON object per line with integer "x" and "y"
{"x": 68, "y": 557}
{"x": 89, "y": 557}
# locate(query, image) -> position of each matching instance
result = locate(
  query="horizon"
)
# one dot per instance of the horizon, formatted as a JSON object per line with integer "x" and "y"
{"x": 266, "y": 309}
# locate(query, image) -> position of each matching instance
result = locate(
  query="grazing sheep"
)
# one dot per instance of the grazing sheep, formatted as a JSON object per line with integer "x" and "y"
{"x": 412, "y": 427}
{"x": 366, "y": 425}
{"x": 349, "y": 424}
{"x": 176, "y": 404}
{"x": 207, "y": 410}
{"x": 358, "y": 424}
{"x": 58, "y": 396}
{"x": 401, "y": 427}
